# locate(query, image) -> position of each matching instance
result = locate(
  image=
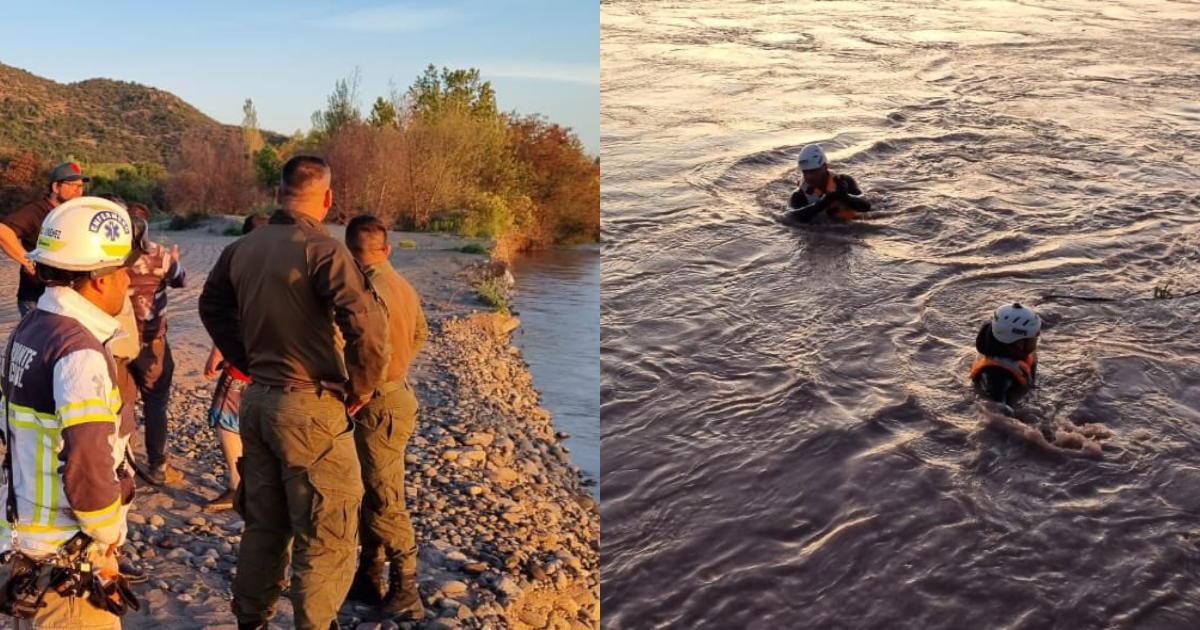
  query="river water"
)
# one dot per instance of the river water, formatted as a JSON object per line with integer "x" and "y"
{"x": 789, "y": 437}
{"x": 558, "y": 302}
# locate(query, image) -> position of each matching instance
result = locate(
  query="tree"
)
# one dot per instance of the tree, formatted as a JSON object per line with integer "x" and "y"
{"x": 350, "y": 152}
{"x": 562, "y": 181}
{"x": 250, "y": 131}
{"x": 342, "y": 107}
{"x": 267, "y": 166}
{"x": 206, "y": 180}
{"x": 462, "y": 91}
{"x": 383, "y": 114}
{"x": 22, "y": 179}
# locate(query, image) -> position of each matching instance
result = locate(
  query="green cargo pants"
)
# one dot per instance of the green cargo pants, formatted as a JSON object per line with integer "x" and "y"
{"x": 300, "y": 490}
{"x": 381, "y": 432}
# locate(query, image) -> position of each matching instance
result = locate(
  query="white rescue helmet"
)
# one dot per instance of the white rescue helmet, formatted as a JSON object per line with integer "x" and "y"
{"x": 1013, "y": 322}
{"x": 812, "y": 157}
{"x": 86, "y": 234}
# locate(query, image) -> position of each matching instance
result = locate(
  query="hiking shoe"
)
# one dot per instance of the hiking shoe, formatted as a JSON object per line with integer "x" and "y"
{"x": 368, "y": 586}
{"x": 132, "y": 574}
{"x": 403, "y": 600}
{"x": 161, "y": 474}
{"x": 221, "y": 503}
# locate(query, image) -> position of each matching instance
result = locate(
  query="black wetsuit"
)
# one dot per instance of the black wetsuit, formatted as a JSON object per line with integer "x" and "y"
{"x": 847, "y": 195}
{"x": 997, "y": 383}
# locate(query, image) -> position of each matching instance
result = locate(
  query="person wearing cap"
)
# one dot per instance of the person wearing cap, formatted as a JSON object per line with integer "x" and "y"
{"x": 822, "y": 192}
{"x": 19, "y": 230}
{"x": 154, "y": 368}
{"x": 287, "y": 306}
{"x": 1006, "y": 367}
{"x": 66, "y": 437}
{"x": 381, "y": 433}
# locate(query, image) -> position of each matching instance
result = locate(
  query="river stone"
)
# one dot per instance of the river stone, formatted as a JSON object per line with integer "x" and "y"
{"x": 453, "y": 588}
{"x": 479, "y": 438}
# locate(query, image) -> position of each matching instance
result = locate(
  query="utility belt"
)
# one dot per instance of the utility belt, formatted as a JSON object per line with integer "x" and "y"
{"x": 69, "y": 573}
{"x": 313, "y": 388}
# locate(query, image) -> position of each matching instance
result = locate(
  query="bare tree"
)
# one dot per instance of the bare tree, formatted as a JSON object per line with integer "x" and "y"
{"x": 211, "y": 175}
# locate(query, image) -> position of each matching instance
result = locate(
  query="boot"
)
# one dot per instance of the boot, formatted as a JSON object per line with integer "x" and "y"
{"x": 368, "y": 586}
{"x": 403, "y": 600}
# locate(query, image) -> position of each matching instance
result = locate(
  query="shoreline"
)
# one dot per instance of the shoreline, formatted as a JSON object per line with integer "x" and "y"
{"x": 507, "y": 531}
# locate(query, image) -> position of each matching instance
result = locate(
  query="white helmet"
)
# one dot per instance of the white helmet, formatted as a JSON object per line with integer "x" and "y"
{"x": 1013, "y": 322}
{"x": 812, "y": 157}
{"x": 86, "y": 234}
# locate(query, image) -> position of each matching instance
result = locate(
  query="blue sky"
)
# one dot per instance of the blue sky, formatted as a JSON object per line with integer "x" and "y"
{"x": 542, "y": 56}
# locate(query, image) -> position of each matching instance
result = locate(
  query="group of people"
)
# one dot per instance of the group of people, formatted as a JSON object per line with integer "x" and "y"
{"x": 1006, "y": 366}
{"x": 312, "y": 341}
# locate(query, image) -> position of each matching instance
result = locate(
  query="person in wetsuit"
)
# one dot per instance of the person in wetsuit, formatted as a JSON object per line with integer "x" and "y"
{"x": 822, "y": 192}
{"x": 1006, "y": 368}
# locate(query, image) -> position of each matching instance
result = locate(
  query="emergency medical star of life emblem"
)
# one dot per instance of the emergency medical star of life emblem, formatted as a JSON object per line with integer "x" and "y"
{"x": 113, "y": 224}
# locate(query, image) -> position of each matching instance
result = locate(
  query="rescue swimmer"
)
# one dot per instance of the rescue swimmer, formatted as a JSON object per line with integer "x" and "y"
{"x": 1006, "y": 368}
{"x": 823, "y": 193}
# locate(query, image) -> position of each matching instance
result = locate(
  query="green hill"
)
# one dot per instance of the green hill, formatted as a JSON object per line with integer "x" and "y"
{"x": 97, "y": 120}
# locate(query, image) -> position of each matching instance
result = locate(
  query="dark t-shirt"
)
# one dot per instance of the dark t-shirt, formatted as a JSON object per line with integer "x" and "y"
{"x": 27, "y": 223}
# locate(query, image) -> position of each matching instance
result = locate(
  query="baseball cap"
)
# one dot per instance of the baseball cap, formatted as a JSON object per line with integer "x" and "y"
{"x": 68, "y": 172}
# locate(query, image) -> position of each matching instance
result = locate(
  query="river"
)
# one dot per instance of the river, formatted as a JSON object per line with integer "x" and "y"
{"x": 558, "y": 301}
{"x": 789, "y": 437}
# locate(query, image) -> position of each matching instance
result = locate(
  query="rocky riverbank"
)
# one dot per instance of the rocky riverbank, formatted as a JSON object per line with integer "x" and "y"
{"x": 507, "y": 529}
{"x": 508, "y": 532}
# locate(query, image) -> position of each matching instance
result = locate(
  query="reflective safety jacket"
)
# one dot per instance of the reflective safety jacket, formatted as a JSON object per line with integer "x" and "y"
{"x": 64, "y": 428}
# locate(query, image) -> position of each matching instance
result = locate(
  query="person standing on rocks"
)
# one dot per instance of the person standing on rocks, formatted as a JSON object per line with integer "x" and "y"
{"x": 154, "y": 367}
{"x": 381, "y": 433}
{"x": 19, "y": 230}
{"x": 226, "y": 403}
{"x": 124, "y": 347}
{"x": 274, "y": 305}
{"x": 64, "y": 427}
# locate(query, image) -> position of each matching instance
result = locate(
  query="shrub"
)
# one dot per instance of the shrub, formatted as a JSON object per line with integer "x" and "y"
{"x": 184, "y": 221}
{"x": 474, "y": 248}
{"x": 491, "y": 291}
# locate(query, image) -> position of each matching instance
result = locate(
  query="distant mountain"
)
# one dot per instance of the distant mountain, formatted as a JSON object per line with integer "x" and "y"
{"x": 97, "y": 120}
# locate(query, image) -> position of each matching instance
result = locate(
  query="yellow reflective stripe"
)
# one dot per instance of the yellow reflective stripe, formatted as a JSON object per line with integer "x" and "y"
{"x": 46, "y": 529}
{"x": 30, "y": 424}
{"x": 55, "y": 482}
{"x": 31, "y": 411}
{"x": 92, "y": 417}
{"x": 83, "y": 403}
{"x": 102, "y": 517}
{"x": 50, "y": 539}
{"x": 40, "y": 480}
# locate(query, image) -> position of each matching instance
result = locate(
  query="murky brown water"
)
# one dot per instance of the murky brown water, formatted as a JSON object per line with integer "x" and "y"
{"x": 788, "y": 437}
